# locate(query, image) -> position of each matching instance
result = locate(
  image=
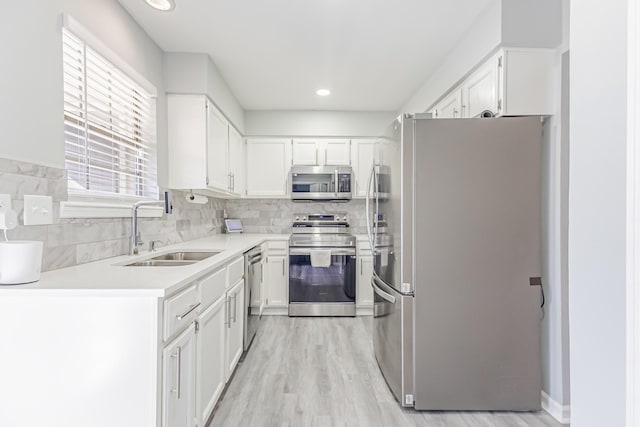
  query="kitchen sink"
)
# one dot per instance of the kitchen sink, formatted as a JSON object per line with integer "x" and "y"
{"x": 174, "y": 259}
{"x": 159, "y": 263}
{"x": 185, "y": 256}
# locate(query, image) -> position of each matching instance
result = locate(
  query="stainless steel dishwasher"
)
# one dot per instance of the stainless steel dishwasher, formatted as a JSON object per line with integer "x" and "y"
{"x": 253, "y": 280}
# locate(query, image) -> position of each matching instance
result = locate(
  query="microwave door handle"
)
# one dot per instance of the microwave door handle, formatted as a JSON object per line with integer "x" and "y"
{"x": 336, "y": 177}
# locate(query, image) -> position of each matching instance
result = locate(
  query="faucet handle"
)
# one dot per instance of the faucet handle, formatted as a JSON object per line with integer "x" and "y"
{"x": 152, "y": 245}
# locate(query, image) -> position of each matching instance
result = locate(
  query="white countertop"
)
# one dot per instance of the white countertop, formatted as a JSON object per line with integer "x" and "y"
{"x": 109, "y": 277}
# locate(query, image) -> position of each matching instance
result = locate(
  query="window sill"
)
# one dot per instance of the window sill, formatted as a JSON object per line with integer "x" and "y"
{"x": 77, "y": 209}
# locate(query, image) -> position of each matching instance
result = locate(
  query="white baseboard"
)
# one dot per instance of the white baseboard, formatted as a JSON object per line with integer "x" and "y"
{"x": 561, "y": 413}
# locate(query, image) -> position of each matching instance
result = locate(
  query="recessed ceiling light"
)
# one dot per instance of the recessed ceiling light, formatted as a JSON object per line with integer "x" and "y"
{"x": 323, "y": 92}
{"x": 163, "y": 5}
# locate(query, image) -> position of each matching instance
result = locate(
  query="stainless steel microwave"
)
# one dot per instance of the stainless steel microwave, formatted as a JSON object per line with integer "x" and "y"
{"x": 321, "y": 183}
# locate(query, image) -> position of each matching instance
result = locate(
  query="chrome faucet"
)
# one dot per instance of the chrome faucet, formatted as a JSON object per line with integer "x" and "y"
{"x": 135, "y": 241}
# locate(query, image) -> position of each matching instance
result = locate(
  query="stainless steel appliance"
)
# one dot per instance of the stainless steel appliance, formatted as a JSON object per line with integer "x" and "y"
{"x": 320, "y": 183}
{"x": 253, "y": 280}
{"x": 453, "y": 215}
{"x": 322, "y": 266}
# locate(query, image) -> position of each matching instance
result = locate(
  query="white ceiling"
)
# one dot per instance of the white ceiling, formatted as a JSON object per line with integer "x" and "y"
{"x": 372, "y": 54}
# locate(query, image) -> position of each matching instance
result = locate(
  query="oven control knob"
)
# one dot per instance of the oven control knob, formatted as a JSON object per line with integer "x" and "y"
{"x": 304, "y": 218}
{"x": 297, "y": 218}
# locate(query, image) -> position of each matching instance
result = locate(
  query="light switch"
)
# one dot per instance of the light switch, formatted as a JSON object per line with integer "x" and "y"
{"x": 38, "y": 210}
{"x": 5, "y": 201}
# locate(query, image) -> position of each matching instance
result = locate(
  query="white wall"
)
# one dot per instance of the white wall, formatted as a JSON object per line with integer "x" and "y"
{"x": 597, "y": 205}
{"x": 532, "y": 23}
{"x": 31, "y": 101}
{"x": 196, "y": 73}
{"x": 317, "y": 123}
{"x": 480, "y": 41}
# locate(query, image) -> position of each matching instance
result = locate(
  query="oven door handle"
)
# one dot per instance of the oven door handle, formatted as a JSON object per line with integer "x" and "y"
{"x": 334, "y": 251}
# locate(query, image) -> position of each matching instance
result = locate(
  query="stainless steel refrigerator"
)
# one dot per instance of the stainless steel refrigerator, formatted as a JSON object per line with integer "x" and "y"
{"x": 454, "y": 219}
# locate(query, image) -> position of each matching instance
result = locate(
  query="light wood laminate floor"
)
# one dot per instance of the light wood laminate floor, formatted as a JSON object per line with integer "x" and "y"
{"x": 322, "y": 372}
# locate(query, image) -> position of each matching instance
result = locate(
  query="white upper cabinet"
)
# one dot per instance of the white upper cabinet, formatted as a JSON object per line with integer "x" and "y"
{"x": 268, "y": 163}
{"x": 320, "y": 152}
{"x": 480, "y": 91}
{"x": 217, "y": 148}
{"x": 450, "y": 107}
{"x": 236, "y": 162}
{"x": 363, "y": 156}
{"x": 205, "y": 151}
{"x": 337, "y": 152}
{"x": 525, "y": 81}
{"x": 513, "y": 82}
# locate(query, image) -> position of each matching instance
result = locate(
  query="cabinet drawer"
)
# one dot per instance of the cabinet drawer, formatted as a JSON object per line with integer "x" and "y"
{"x": 278, "y": 247}
{"x": 235, "y": 271}
{"x": 180, "y": 310}
{"x": 212, "y": 287}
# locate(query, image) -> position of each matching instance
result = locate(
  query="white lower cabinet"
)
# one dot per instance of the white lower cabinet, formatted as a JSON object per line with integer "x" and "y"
{"x": 364, "y": 291}
{"x": 277, "y": 292}
{"x": 210, "y": 379}
{"x": 235, "y": 327}
{"x": 178, "y": 388}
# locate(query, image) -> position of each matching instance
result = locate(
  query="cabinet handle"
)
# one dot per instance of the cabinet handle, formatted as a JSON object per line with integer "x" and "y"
{"x": 178, "y": 358}
{"x": 361, "y": 266}
{"x": 325, "y": 155}
{"x": 499, "y": 104}
{"x": 282, "y": 268}
{"x": 227, "y": 321}
{"x": 189, "y": 310}
{"x": 316, "y": 156}
{"x": 235, "y": 307}
{"x": 233, "y": 181}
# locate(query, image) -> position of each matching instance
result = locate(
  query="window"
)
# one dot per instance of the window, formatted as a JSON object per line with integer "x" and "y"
{"x": 109, "y": 127}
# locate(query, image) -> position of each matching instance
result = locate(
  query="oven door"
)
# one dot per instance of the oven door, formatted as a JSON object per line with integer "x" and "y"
{"x": 332, "y": 283}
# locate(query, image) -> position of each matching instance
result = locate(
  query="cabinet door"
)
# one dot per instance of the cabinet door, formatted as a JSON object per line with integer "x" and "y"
{"x": 336, "y": 152}
{"x": 364, "y": 152}
{"x": 268, "y": 163}
{"x": 306, "y": 152}
{"x": 178, "y": 388}
{"x": 187, "y": 139}
{"x": 217, "y": 145}
{"x": 277, "y": 286}
{"x": 236, "y": 162}
{"x": 450, "y": 107}
{"x": 235, "y": 327}
{"x": 210, "y": 378}
{"x": 480, "y": 91}
{"x": 364, "y": 292}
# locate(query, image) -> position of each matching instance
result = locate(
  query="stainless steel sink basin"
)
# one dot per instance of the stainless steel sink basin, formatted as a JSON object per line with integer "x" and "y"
{"x": 159, "y": 263}
{"x": 185, "y": 256}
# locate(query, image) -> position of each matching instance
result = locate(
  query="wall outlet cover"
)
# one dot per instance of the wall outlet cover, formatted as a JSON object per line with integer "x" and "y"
{"x": 38, "y": 210}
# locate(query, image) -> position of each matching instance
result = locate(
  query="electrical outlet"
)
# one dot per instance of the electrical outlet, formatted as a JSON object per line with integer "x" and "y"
{"x": 38, "y": 210}
{"x": 5, "y": 201}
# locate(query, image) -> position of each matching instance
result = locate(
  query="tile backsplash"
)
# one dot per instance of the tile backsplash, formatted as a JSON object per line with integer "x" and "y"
{"x": 274, "y": 215}
{"x": 69, "y": 242}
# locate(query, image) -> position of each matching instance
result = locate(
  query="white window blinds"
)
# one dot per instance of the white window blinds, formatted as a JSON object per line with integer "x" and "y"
{"x": 109, "y": 127}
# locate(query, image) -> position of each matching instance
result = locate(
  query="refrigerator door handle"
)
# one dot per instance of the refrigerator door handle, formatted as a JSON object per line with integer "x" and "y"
{"x": 368, "y": 209}
{"x": 386, "y": 296}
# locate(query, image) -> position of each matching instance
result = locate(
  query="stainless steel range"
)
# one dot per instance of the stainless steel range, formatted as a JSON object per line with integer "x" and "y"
{"x": 322, "y": 266}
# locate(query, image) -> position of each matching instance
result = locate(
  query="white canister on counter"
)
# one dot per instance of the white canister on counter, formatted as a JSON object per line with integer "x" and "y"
{"x": 20, "y": 261}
